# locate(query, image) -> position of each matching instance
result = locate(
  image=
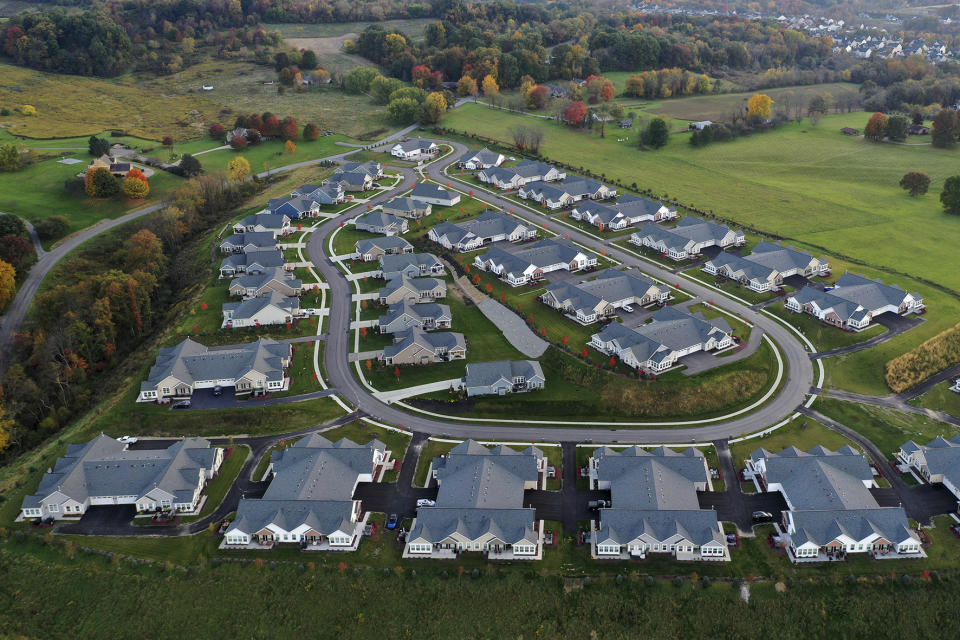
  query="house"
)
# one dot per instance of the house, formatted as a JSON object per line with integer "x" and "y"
{"x": 503, "y": 377}
{"x": 628, "y": 211}
{"x": 700, "y": 126}
{"x": 919, "y": 130}
{"x": 687, "y": 239}
{"x": 490, "y": 227}
{"x": 252, "y": 262}
{"x": 252, "y": 285}
{"x": 434, "y": 194}
{"x": 480, "y": 505}
{"x": 483, "y": 159}
{"x": 309, "y": 503}
{"x": 658, "y": 345}
{"x": 407, "y": 208}
{"x": 255, "y": 368}
{"x": 411, "y": 265}
{"x": 415, "y": 346}
{"x": 105, "y": 472}
{"x": 294, "y": 208}
{"x": 278, "y": 225}
{"x": 112, "y": 164}
{"x": 625, "y": 124}
{"x": 548, "y": 195}
{"x": 938, "y": 461}
{"x": 371, "y": 249}
{"x": 246, "y": 242}
{"x": 597, "y": 299}
{"x": 403, "y": 315}
{"x": 523, "y": 173}
{"x": 270, "y": 308}
{"x": 414, "y": 149}
{"x": 239, "y": 132}
{"x": 653, "y": 506}
{"x": 854, "y": 301}
{"x": 586, "y": 189}
{"x": 532, "y": 263}
{"x": 382, "y": 223}
{"x": 850, "y": 131}
{"x": 326, "y": 194}
{"x": 766, "y": 267}
{"x": 412, "y": 290}
{"x": 357, "y": 176}
{"x": 830, "y": 510}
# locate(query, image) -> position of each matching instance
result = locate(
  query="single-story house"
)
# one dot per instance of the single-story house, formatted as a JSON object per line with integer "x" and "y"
{"x": 310, "y": 503}
{"x": 936, "y": 461}
{"x": 480, "y": 505}
{"x": 587, "y": 189}
{"x": 294, "y": 208}
{"x": 626, "y": 212}
{"x": 414, "y": 149}
{"x": 658, "y": 345}
{"x": 254, "y": 368}
{"x": 247, "y": 242}
{"x": 688, "y": 238}
{"x": 357, "y": 176}
{"x": 415, "y": 346}
{"x": 654, "y": 506}
{"x": 488, "y": 228}
{"x": 412, "y": 290}
{"x": 328, "y": 194}
{"x": 551, "y": 196}
{"x": 278, "y": 225}
{"x": 268, "y": 309}
{"x": 830, "y": 510}
{"x": 104, "y": 472}
{"x": 854, "y": 301}
{"x": 403, "y": 315}
{"x": 597, "y": 299}
{"x": 382, "y": 223}
{"x": 483, "y": 159}
{"x": 532, "y": 263}
{"x": 434, "y": 194}
{"x": 411, "y": 265}
{"x": 767, "y": 266}
{"x": 372, "y": 248}
{"x": 252, "y": 262}
{"x": 503, "y": 377}
{"x": 113, "y": 164}
{"x": 252, "y": 285}
{"x": 700, "y": 126}
{"x": 523, "y": 173}
{"x": 407, "y": 208}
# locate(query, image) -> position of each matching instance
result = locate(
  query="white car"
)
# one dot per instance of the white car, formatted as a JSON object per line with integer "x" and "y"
{"x": 627, "y": 308}
{"x": 424, "y": 502}
{"x": 126, "y": 439}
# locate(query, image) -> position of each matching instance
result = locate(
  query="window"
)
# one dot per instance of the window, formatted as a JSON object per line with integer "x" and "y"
{"x": 53, "y": 508}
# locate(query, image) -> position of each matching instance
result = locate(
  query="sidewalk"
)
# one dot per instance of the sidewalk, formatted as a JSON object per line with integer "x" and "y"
{"x": 430, "y": 387}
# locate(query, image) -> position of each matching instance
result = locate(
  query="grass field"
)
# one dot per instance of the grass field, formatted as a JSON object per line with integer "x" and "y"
{"x": 824, "y": 337}
{"x": 413, "y": 27}
{"x": 941, "y": 399}
{"x": 826, "y": 192}
{"x": 216, "y": 490}
{"x": 803, "y": 433}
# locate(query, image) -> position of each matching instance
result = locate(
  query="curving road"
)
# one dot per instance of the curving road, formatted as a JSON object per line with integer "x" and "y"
{"x": 793, "y": 393}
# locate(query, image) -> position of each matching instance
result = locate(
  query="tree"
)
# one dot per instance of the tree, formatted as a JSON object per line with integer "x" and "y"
{"x": 308, "y": 60}
{"x": 10, "y": 157}
{"x": 52, "y": 228}
{"x": 537, "y": 97}
{"x": 320, "y": 76}
{"x": 189, "y": 166}
{"x": 420, "y": 76}
{"x": 8, "y": 282}
{"x": 238, "y": 169}
{"x": 434, "y": 107}
{"x": 136, "y": 188}
{"x": 7, "y": 425}
{"x": 217, "y": 131}
{"x": 944, "y": 133}
{"x": 311, "y": 132}
{"x": 489, "y": 87}
{"x": 28, "y": 110}
{"x": 381, "y": 87}
{"x": 101, "y": 184}
{"x": 290, "y": 147}
{"x": 656, "y": 134}
{"x": 18, "y": 251}
{"x": 634, "y": 86}
{"x": 289, "y": 129}
{"x": 916, "y": 183}
{"x": 404, "y": 111}
{"x": 817, "y": 108}
{"x": 876, "y": 127}
{"x": 950, "y": 196}
{"x": 144, "y": 252}
{"x": 575, "y": 114}
{"x": 897, "y": 128}
{"x": 12, "y": 225}
{"x": 358, "y": 80}
{"x": 467, "y": 86}
{"x": 167, "y": 141}
{"x": 98, "y": 146}
{"x": 758, "y": 106}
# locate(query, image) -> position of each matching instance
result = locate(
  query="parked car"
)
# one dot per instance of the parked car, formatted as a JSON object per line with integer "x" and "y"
{"x": 182, "y": 404}
{"x": 425, "y": 502}
{"x": 392, "y": 521}
{"x": 598, "y": 504}
{"x": 126, "y": 439}
{"x": 627, "y": 308}
{"x": 762, "y": 516}
{"x": 218, "y": 390}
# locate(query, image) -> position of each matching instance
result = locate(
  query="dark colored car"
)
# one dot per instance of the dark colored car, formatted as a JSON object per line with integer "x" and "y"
{"x": 183, "y": 404}
{"x": 218, "y": 390}
{"x": 392, "y": 521}
{"x": 762, "y": 516}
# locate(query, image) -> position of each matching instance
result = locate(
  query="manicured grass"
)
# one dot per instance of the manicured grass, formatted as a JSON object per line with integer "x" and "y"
{"x": 802, "y": 432}
{"x": 823, "y": 336}
{"x": 262, "y": 157}
{"x": 362, "y": 433}
{"x": 740, "y": 328}
{"x": 886, "y": 428}
{"x": 302, "y": 377}
{"x": 217, "y": 488}
{"x": 431, "y": 449}
{"x": 730, "y": 286}
{"x": 941, "y": 399}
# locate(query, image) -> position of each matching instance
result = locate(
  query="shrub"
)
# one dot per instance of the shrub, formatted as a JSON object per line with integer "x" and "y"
{"x": 934, "y": 355}
{"x": 52, "y": 228}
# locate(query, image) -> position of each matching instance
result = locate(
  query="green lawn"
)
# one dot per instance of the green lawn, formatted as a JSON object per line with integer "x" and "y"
{"x": 302, "y": 376}
{"x": 941, "y": 399}
{"x": 730, "y": 286}
{"x": 823, "y": 336}
{"x": 886, "y": 428}
{"x": 740, "y": 328}
{"x": 217, "y": 488}
{"x": 802, "y": 432}
{"x": 362, "y": 433}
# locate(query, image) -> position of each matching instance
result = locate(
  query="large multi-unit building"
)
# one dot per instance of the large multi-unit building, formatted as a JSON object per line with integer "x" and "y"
{"x": 532, "y": 263}
{"x": 767, "y": 267}
{"x": 691, "y": 236}
{"x": 600, "y": 298}
{"x": 471, "y": 235}
{"x": 854, "y": 301}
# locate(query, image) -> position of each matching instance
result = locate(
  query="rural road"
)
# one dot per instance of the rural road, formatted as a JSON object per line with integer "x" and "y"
{"x": 793, "y": 393}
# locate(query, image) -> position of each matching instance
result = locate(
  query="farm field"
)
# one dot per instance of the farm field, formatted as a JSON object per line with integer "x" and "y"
{"x": 820, "y": 196}
{"x": 412, "y": 27}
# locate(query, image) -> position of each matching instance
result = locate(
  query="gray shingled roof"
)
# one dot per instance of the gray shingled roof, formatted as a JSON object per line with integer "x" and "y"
{"x": 484, "y": 374}
{"x": 266, "y": 259}
{"x": 422, "y": 311}
{"x": 265, "y": 220}
{"x": 259, "y": 239}
{"x": 255, "y": 280}
{"x": 190, "y": 361}
{"x": 246, "y": 309}
{"x": 415, "y": 284}
{"x": 430, "y": 341}
{"x": 385, "y": 243}
{"x": 396, "y": 262}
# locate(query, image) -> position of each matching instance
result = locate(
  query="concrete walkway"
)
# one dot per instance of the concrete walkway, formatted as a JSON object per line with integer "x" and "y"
{"x": 409, "y": 392}
{"x": 514, "y": 329}
{"x": 373, "y": 295}
{"x": 365, "y": 355}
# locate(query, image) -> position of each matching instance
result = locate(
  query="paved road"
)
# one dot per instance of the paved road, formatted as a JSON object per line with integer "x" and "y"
{"x": 339, "y": 343}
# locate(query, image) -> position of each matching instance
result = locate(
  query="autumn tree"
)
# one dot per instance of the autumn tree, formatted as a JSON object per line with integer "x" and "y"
{"x": 289, "y": 129}
{"x": 420, "y": 76}
{"x": 144, "y": 252}
{"x": 320, "y": 76}
{"x": 537, "y": 96}
{"x": 311, "y": 132}
{"x": 489, "y": 87}
{"x": 136, "y": 188}
{"x": 100, "y": 183}
{"x": 944, "y": 134}
{"x": 290, "y": 147}
{"x": 8, "y": 282}
{"x": 599, "y": 88}
{"x": 758, "y": 106}
{"x": 467, "y": 86}
{"x": 18, "y": 251}
{"x": 239, "y": 169}
{"x": 575, "y": 114}
{"x": 950, "y": 196}
{"x": 7, "y": 426}
{"x": 217, "y": 131}
{"x": 916, "y": 183}
{"x": 876, "y": 128}
{"x": 634, "y": 86}
{"x": 434, "y": 107}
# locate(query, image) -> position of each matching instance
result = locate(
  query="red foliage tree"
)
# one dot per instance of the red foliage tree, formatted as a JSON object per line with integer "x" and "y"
{"x": 420, "y": 76}
{"x": 271, "y": 126}
{"x": 311, "y": 132}
{"x": 255, "y": 122}
{"x": 575, "y": 114}
{"x": 217, "y": 131}
{"x": 239, "y": 143}
{"x": 289, "y": 129}
{"x": 537, "y": 98}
